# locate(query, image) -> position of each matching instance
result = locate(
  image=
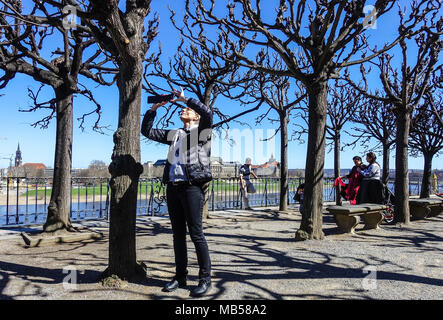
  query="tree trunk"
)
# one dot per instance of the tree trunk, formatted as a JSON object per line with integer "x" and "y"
{"x": 337, "y": 139}
{"x": 206, "y": 101}
{"x": 385, "y": 169}
{"x": 312, "y": 215}
{"x": 60, "y": 204}
{"x": 425, "y": 191}
{"x": 283, "y": 162}
{"x": 403, "y": 121}
{"x": 125, "y": 170}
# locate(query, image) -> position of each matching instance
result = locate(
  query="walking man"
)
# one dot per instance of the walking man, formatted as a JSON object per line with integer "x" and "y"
{"x": 186, "y": 171}
{"x": 245, "y": 182}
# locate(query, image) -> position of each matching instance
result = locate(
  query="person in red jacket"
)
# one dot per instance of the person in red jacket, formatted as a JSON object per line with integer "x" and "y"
{"x": 355, "y": 178}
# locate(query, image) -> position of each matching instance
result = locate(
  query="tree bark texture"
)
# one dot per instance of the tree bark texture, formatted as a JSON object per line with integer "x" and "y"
{"x": 283, "y": 161}
{"x": 312, "y": 215}
{"x": 337, "y": 140}
{"x": 60, "y": 204}
{"x": 205, "y": 187}
{"x": 425, "y": 191}
{"x": 125, "y": 170}
{"x": 403, "y": 121}
{"x": 385, "y": 169}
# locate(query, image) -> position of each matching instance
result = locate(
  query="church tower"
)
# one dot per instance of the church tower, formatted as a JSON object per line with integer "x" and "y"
{"x": 18, "y": 157}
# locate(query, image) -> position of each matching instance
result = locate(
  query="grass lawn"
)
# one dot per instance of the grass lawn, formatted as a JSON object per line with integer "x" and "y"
{"x": 144, "y": 187}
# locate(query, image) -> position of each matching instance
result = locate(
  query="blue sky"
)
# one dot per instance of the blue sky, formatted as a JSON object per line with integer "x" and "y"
{"x": 37, "y": 145}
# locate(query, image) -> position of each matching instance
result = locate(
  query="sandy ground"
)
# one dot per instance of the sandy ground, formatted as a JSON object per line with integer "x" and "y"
{"x": 253, "y": 256}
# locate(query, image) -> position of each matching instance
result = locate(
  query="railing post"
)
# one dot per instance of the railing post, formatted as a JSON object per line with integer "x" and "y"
{"x": 238, "y": 192}
{"x": 213, "y": 196}
{"x": 18, "y": 195}
{"x": 152, "y": 197}
{"x": 27, "y": 192}
{"x": 7, "y": 200}
{"x": 107, "y": 199}
{"x": 93, "y": 196}
{"x": 101, "y": 205}
{"x": 36, "y": 201}
{"x": 70, "y": 201}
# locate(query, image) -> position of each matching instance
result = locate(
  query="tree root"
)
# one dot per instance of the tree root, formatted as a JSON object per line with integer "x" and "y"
{"x": 114, "y": 281}
{"x": 301, "y": 235}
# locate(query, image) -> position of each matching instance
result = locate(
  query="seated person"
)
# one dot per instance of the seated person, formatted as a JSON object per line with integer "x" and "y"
{"x": 355, "y": 177}
{"x": 371, "y": 188}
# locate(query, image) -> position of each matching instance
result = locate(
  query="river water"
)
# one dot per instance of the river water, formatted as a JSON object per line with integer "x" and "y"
{"x": 36, "y": 213}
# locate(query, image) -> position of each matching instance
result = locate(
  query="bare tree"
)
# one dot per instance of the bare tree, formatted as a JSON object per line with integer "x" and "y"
{"x": 96, "y": 169}
{"x": 344, "y": 103}
{"x": 404, "y": 87}
{"x": 315, "y": 39}
{"x": 426, "y": 138}
{"x": 377, "y": 123}
{"x": 122, "y": 36}
{"x": 280, "y": 95}
{"x": 196, "y": 71}
{"x": 434, "y": 94}
{"x": 23, "y": 36}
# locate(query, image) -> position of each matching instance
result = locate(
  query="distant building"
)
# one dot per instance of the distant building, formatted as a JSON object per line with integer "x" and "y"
{"x": 230, "y": 169}
{"x": 224, "y": 169}
{"x": 219, "y": 168}
{"x": 216, "y": 164}
{"x": 30, "y": 170}
{"x": 160, "y": 163}
{"x": 149, "y": 170}
{"x": 18, "y": 157}
{"x": 34, "y": 166}
{"x": 268, "y": 169}
{"x": 49, "y": 172}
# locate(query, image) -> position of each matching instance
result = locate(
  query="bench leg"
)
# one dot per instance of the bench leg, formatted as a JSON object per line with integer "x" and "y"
{"x": 346, "y": 223}
{"x": 420, "y": 212}
{"x": 372, "y": 220}
{"x": 435, "y": 211}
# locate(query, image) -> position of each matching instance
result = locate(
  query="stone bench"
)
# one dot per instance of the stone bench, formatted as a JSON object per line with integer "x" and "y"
{"x": 348, "y": 217}
{"x": 424, "y": 208}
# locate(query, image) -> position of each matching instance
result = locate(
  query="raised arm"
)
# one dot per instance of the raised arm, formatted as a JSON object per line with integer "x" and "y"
{"x": 158, "y": 135}
{"x": 203, "y": 110}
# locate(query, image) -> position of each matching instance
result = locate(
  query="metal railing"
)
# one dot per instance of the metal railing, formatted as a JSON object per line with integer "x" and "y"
{"x": 25, "y": 201}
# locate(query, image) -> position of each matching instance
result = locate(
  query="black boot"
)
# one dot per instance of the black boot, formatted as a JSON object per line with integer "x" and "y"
{"x": 174, "y": 284}
{"x": 202, "y": 288}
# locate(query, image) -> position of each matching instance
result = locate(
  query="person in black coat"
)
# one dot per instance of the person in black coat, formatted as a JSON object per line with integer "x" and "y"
{"x": 186, "y": 171}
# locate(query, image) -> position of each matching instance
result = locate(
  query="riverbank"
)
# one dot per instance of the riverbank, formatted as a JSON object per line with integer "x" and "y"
{"x": 30, "y": 201}
{"x": 254, "y": 256}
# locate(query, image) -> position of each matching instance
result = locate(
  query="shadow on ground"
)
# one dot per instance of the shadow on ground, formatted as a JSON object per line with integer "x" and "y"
{"x": 253, "y": 256}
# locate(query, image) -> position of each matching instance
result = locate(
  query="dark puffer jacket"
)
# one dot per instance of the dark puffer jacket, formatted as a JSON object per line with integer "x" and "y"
{"x": 197, "y": 166}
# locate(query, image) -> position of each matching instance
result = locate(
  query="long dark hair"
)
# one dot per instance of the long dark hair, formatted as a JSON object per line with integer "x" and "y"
{"x": 372, "y": 157}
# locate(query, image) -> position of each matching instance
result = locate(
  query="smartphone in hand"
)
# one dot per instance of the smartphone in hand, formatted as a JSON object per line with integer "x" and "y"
{"x": 160, "y": 98}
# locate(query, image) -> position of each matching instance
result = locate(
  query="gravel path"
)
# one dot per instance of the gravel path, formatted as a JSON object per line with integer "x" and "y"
{"x": 253, "y": 255}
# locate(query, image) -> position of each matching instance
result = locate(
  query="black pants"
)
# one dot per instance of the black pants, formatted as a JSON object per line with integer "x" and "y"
{"x": 370, "y": 191}
{"x": 185, "y": 205}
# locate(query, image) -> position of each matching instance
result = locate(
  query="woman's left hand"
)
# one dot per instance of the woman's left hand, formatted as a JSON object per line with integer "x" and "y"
{"x": 180, "y": 95}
